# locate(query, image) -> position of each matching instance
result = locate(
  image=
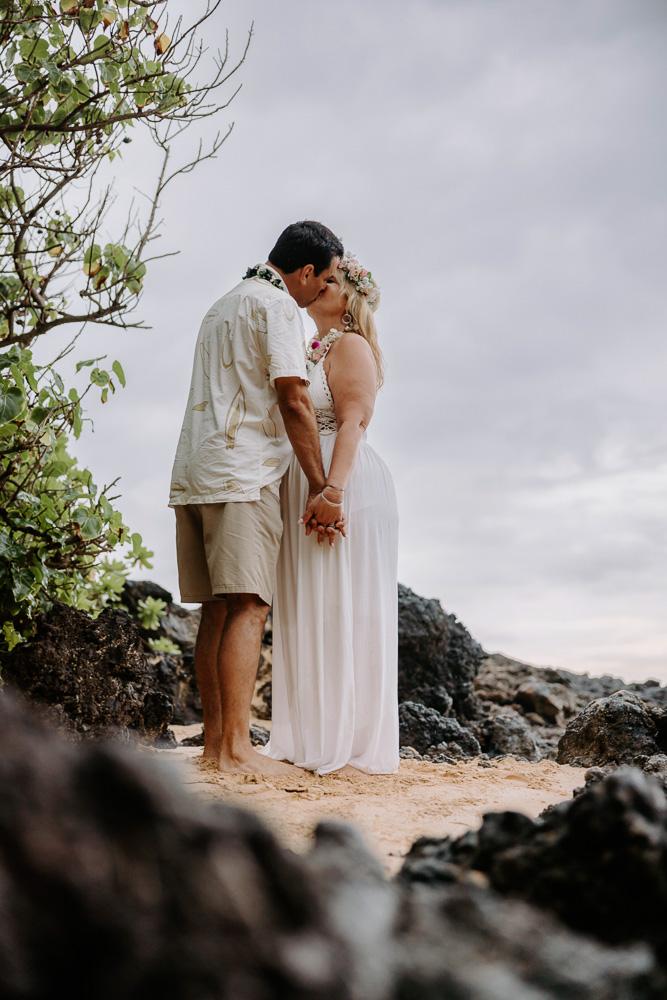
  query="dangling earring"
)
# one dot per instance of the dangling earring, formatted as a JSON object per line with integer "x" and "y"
{"x": 348, "y": 322}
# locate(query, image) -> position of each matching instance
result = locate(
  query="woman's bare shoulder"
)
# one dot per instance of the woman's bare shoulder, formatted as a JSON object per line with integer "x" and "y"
{"x": 350, "y": 347}
{"x": 353, "y": 365}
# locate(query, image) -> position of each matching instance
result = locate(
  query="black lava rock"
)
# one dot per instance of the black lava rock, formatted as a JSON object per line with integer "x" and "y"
{"x": 507, "y": 732}
{"x": 95, "y": 676}
{"x": 618, "y": 729}
{"x": 598, "y": 862}
{"x": 467, "y": 943}
{"x": 424, "y": 729}
{"x": 437, "y": 657}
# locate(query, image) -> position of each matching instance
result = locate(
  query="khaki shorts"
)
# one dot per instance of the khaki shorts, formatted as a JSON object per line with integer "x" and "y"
{"x": 229, "y": 548}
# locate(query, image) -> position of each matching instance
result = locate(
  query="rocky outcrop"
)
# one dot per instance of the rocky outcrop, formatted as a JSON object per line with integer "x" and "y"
{"x": 427, "y": 730}
{"x": 174, "y": 672}
{"x": 548, "y": 699}
{"x": 551, "y": 702}
{"x": 456, "y": 699}
{"x": 618, "y": 729}
{"x": 506, "y": 731}
{"x": 95, "y": 676}
{"x": 115, "y": 881}
{"x": 437, "y": 657}
{"x": 597, "y": 862}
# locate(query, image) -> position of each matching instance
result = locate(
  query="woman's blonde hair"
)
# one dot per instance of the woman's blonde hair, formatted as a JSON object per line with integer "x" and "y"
{"x": 363, "y": 321}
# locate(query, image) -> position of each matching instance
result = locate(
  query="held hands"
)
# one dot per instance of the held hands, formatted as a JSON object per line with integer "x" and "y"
{"x": 324, "y": 515}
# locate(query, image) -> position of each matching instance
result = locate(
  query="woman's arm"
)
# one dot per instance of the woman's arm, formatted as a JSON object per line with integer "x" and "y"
{"x": 352, "y": 378}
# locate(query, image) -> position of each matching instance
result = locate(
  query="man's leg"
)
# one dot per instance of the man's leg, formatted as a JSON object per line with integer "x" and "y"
{"x": 239, "y": 659}
{"x": 207, "y": 657}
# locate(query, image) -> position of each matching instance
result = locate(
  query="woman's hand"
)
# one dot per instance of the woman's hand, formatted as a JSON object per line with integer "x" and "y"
{"x": 324, "y": 515}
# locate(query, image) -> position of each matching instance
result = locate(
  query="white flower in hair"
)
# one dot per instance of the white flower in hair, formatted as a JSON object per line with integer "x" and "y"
{"x": 361, "y": 279}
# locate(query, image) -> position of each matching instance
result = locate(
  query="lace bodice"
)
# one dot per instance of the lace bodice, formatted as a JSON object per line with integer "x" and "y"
{"x": 320, "y": 393}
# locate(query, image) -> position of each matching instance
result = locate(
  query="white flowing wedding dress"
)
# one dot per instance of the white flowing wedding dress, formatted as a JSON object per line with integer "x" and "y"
{"x": 335, "y": 619}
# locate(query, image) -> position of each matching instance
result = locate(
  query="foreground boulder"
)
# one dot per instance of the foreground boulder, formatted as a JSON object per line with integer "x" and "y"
{"x": 118, "y": 883}
{"x": 467, "y": 943}
{"x": 618, "y": 729}
{"x": 598, "y": 862}
{"x": 96, "y": 676}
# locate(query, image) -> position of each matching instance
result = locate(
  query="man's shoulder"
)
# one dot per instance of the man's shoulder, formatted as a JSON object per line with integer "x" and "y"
{"x": 257, "y": 292}
{"x": 258, "y": 303}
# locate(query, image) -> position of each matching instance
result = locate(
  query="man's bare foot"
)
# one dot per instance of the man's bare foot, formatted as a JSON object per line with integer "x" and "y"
{"x": 257, "y": 763}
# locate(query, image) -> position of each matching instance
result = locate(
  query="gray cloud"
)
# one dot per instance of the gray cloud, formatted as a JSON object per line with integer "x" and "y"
{"x": 500, "y": 166}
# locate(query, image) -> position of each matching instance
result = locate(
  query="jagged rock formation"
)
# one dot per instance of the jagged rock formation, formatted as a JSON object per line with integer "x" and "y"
{"x": 437, "y": 657}
{"x": 116, "y": 882}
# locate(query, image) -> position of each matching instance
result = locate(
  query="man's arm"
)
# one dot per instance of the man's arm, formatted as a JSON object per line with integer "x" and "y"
{"x": 299, "y": 418}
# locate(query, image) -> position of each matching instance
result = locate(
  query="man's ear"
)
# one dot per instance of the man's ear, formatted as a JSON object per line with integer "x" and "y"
{"x": 306, "y": 272}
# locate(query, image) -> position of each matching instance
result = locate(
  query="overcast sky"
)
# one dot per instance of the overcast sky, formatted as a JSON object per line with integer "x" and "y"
{"x": 500, "y": 166}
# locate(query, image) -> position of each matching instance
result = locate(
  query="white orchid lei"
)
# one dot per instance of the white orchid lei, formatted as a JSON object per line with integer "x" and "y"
{"x": 317, "y": 348}
{"x": 361, "y": 278}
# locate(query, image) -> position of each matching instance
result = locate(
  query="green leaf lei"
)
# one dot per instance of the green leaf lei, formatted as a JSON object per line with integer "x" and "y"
{"x": 260, "y": 271}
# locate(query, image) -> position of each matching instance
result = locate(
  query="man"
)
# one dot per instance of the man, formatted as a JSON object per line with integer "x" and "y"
{"x": 247, "y": 409}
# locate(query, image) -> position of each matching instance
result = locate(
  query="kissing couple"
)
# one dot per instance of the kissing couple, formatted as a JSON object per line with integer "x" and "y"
{"x": 279, "y": 498}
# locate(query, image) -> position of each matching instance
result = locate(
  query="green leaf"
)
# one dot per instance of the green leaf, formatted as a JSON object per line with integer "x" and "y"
{"x": 11, "y": 403}
{"x": 99, "y": 377}
{"x": 10, "y": 357}
{"x": 90, "y": 523}
{"x": 39, "y": 413}
{"x": 12, "y": 637}
{"x": 165, "y": 645}
{"x": 34, "y": 50}
{"x": 77, "y": 423}
{"x": 91, "y": 259}
{"x": 117, "y": 368}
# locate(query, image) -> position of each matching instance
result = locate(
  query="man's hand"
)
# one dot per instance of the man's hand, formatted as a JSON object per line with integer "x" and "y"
{"x": 325, "y": 517}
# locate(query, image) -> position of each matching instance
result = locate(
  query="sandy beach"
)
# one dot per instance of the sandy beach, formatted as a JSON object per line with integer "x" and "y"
{"x": 391, "y": 810}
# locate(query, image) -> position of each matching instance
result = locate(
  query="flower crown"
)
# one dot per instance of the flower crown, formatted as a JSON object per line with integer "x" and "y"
{"x": 362, "y": 279}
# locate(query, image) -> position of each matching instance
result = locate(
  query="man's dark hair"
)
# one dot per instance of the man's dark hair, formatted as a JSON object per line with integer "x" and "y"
{"x": 305, "y": 243}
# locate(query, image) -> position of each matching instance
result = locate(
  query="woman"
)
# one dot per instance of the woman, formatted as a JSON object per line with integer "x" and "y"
{"x": 335, "y": 617}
